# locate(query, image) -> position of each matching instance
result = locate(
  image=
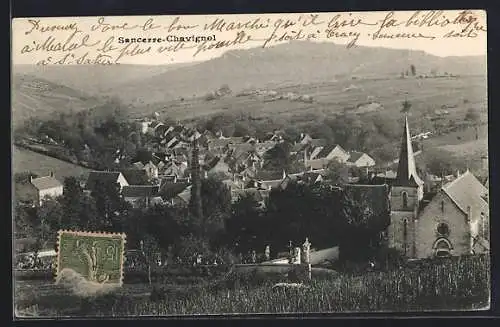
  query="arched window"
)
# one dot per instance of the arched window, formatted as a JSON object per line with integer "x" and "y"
{"x": 442, "y": 206}
{"x": 442, "y": 248}
{"x": 405, "y": 200}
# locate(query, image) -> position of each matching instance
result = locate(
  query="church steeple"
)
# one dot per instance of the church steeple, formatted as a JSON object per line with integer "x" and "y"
{"x": 407, "y": 171}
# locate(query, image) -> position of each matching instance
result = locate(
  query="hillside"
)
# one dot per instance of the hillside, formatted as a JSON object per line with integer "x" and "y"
{"x": 321, "y": 100}
{"x": 94, "y": 79}
{"x": 289, "y": 64}
{"x": 28, "y": 161}
{"x": 36, "y": 97}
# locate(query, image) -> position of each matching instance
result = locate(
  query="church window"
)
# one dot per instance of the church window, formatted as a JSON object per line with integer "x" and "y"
{"x": 443, "y": 229}
{"x": 405, "y": 200}
{"x": 442, "y": 248}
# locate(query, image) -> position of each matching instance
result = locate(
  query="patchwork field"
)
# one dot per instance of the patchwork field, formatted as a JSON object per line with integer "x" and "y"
{"x": 456, "y": 94}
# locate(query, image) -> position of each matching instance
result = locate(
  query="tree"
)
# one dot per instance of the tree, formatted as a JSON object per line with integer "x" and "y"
{"x": 216, "y": 204}
{"x": 71, "y": 203}
{"x": 406, "y": 106}
{"x": 241, "y": 226}
{"x": 337, "y": 173}
{"x": 189, "y": 246}
{"x": 361, "y": 224}
{"x": 413, "y": 70}
{"x": 150, "y": 251}
{"x": 109, "y": 203}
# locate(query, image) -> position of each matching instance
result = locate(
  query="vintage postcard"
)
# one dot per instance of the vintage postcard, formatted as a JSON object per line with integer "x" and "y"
{"x": 250, "y": 164}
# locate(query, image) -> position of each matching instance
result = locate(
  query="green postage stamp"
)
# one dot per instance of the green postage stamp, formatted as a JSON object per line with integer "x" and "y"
{"x": 98, "y": 257}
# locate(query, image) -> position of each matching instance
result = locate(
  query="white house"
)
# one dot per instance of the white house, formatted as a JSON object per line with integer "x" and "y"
{"x": 46, "y": 186}
{"x": 360, "y": 159}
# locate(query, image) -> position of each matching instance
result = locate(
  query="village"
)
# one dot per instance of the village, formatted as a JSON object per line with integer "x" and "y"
{"x": 162, "y": 175}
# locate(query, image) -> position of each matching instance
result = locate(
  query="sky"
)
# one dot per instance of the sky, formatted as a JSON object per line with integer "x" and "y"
{"x": 399, "y": 30}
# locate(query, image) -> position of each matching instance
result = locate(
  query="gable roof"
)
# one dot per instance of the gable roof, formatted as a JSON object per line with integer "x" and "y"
{"x": 171, "y": 190}
{"x": 355, "y": 156}
{"x": 103, "y": 176}
{"x": 325, "y": 151}
{"x": 467, "y": 190}
{"x": 135, "y": 176}
{"x": 140, "y": 191}
{"x": 310, "y": 177}
{"x": 46, "y": 182}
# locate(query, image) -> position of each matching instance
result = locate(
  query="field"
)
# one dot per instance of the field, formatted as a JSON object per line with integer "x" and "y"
{"x": 461, "y": 283}
{"x": 329, "y": 98}
{"x": 24, "y": 160}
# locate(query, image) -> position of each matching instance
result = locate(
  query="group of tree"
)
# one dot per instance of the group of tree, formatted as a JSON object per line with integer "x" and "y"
{"x": 322, "y": 212}
{"x": 92, "y": 136}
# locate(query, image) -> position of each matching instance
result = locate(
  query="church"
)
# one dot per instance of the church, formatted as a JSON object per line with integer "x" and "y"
{"x": 454, "y": 222}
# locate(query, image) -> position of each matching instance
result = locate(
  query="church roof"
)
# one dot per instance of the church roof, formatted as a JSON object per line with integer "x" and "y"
{"x": 407, "y": 171}
{"x": 467, "y": 191}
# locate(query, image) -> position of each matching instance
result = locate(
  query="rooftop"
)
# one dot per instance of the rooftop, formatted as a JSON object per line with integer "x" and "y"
{"x": 45, "y": 183}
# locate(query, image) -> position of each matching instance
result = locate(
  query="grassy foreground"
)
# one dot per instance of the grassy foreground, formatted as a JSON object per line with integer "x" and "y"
{"x": 458, "y": 284}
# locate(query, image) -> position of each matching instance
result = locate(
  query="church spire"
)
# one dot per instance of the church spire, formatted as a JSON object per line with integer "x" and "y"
{"x": 407, "y": 171}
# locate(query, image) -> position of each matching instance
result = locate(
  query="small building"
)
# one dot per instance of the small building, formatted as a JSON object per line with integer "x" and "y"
{"x": 136, "y": 176}
{"x": 360, "y": 159}
{"x": 41, "y": 188}
{"x": 142, "y": 196}
{"x": 331, "y": 152}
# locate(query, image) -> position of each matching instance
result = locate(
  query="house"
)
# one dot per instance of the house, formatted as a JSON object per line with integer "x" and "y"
{"x": 38, "y": 189}
{"x": 311, "y": 177}
{"x": 151, "y": 170}
{"x": 144, "y": 126}
{"x": 136, "y": 176}
{"x": 217, "y": 166}
{"x": 160, "y": 130}
{"x": 142, "y": 196}
{"x": 304, "y": 139}
{"x": 263, "y": 147}
{"x": 331, "y": 152}
{"x": 105, "y": 177}
{"x": 316, "y": 164}
{"x": 153, "y": 126}
{"x": 360, "y": 159}
{"x": 175, "y": 193}
{"x": 257, "y": 195}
